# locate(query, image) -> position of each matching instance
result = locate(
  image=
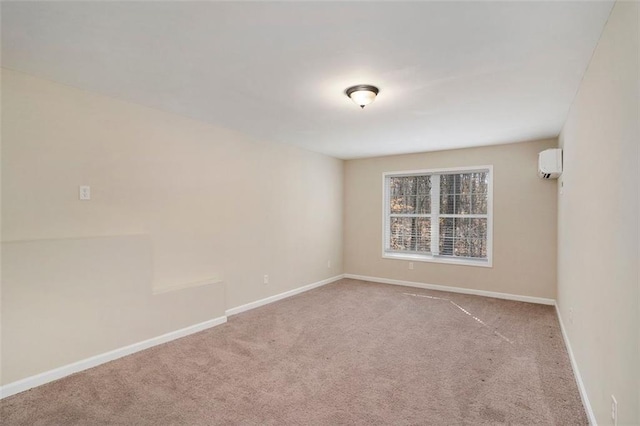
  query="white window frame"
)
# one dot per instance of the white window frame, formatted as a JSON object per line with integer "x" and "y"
{"x": 435, "y": 213}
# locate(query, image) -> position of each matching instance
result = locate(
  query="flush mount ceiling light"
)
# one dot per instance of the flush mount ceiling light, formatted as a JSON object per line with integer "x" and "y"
{"x": 363, "y": 94}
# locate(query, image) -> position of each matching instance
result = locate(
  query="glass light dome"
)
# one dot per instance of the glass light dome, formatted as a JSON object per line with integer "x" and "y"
{"x": 363, "y": 94}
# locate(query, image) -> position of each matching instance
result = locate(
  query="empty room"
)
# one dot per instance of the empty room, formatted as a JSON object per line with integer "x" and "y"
{"x": 320, "y": 213}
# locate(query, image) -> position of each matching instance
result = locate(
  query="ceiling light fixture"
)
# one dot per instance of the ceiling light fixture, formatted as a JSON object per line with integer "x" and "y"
{"x": 363, "y": 94}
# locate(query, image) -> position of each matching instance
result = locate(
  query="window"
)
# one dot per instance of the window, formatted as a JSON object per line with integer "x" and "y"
{"x": 442, "y": 215}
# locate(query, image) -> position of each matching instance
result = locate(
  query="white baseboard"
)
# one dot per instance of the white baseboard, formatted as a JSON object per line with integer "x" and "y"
{"x": 66, "y": 370}
{"x": 58, "y": 373}
{"x": 576, "y": 373}
{"x": 507, "y": 296}
{"x": 275, "y": 298}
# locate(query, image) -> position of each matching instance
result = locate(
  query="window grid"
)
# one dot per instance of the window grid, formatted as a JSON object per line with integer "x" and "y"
{"x": 455, "y": 224}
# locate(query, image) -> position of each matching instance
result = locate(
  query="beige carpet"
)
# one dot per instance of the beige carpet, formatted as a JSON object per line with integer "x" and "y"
{"x": 347, "y": 353}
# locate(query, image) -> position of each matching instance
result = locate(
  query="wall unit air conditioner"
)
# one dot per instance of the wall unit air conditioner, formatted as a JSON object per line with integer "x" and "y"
{"x": 550, "y": 163}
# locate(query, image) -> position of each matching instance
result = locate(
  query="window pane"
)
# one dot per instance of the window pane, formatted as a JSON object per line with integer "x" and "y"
{"x": 480, "y": 190}
{"x": 446, "y": 242}
{"x": 409, "y": 204}
{"x": 410, "y": 234}
{"x": 423, "y": 184}
{"x": 464, "y": 193}
{"x": 410, "y": 194}
{"x": 423, "y": 192}
{"x": 479, "y": 204}
{"x": 447, "y": 204}
{"x": 463, "y": 237}
{"x": 423, "y": 204}
{"x": 448, "y": 185}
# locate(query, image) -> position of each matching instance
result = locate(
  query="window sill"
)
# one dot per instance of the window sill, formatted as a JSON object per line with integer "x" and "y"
{"x": 437, "y": 259}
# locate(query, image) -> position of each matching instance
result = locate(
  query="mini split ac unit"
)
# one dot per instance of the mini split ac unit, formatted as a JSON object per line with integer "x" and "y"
{"x": 550, "y": 164}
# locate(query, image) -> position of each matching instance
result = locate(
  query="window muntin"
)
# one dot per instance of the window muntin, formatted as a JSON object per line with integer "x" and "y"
{"x": 459, "y": 201}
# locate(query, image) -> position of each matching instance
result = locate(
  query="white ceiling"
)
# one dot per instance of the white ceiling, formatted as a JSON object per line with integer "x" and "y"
{"x": 451, "y": 74}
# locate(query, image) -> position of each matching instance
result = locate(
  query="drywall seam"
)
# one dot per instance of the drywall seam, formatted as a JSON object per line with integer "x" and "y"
{"x": 176, "y": 287}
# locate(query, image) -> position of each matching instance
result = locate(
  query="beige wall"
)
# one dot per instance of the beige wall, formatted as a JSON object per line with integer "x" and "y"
{"x": 598, "y": 222}
{"x": 200, "y": 202}
{"x": 69, "y": 299}
{"x": 524, "y": 241}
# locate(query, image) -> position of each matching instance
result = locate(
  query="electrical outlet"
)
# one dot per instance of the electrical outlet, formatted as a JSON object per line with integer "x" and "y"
{"x": 410, "y": 265}
{"x": 84, "y": 192}
{"x": 614, "y": 410}
{"x": 328, "y": 264}
{"x": 266, "y": 279}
